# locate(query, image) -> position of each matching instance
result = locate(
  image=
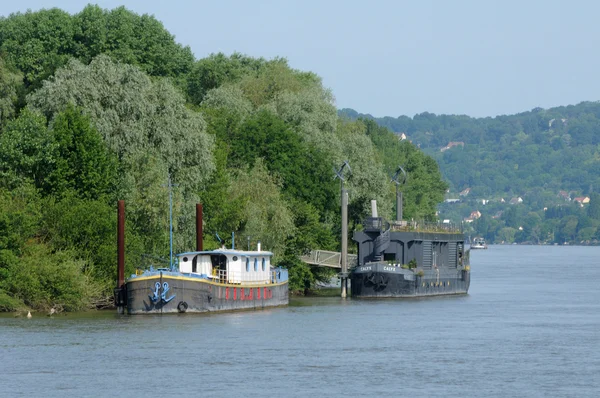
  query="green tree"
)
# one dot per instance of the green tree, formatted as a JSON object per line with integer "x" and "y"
{"x": 82, "y": 163}
{"x": 10, "y": 84}
{"x": 506, "y": 235}
{"x": 594, "y": 206}
{"x": 39, "y": 42}
{"x": 27, "y": 151}
{"x": 133, "y": 114}
{"x": 267, "y": 217}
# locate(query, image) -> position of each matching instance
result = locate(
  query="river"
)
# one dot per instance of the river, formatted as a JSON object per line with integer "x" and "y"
{"x": 529, "y": 327}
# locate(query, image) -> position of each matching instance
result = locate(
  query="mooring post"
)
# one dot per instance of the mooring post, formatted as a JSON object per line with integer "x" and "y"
{"x": 344, "y": 279}
{"x": 398, "y": 205}
{"x": 344, "y": 204}
{"x": 120, "y": 290}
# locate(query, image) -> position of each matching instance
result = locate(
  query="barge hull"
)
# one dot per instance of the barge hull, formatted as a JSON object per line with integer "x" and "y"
{"x": 380, "y": 281}
{"x": 188, "y": 294}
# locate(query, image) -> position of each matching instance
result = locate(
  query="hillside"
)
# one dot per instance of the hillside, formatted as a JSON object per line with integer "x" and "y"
{"x": 545, "y": 157}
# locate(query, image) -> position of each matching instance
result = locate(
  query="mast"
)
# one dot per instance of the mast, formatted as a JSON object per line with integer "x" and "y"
{"x": 170, "y": 223}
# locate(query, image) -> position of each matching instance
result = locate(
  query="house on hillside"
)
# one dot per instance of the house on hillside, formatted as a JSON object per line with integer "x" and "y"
{"x": 452, "y": 144}
{"x": 515, "y": 201}
{"x": 401, "y": 136}
{"x": 473, "y": 216}
{"x": 452, "y": 200}
{"x": 582, "y": 200}
{"x": 564, "y": 195}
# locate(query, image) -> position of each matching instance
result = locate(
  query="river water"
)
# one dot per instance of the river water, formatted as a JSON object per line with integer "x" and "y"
{"x": 529, "y": 327}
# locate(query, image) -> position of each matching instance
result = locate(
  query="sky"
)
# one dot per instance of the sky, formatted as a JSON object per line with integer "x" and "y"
{"x": 396, "y": 57}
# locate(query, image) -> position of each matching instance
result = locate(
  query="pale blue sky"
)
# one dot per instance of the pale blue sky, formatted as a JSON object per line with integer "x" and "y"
{"x": 391, "y": 58}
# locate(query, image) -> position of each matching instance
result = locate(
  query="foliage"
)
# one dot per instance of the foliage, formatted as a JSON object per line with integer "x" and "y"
{"x": 10, "y": 83}
{"x": 217, "y": 70}
{"x": 300, "y": 276}
{"x": 44, "y": 280}
{"x": 40, "y": 42}
{"x": 93, "y": 109}
{"x": 267, "y": 217}
{"x": 27, "y": 151}
{"x": 547, "y": 157}
{"x": 86, "y": 228}
{"x": 20, "y": 215}
{"x": 82, "y": 161}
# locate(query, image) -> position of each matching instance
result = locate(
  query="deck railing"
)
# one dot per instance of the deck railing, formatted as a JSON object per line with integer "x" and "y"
{"x": 372, "y": 224}
{"x": 247, "y": 278}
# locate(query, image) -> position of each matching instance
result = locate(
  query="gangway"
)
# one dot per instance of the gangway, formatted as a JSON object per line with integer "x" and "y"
{"x": 324, "y": 258}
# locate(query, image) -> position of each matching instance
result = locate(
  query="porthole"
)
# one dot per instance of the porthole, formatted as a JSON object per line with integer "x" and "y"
{"x": 255, "y": 264}
{"x": 234, "y": 258}
{"x": 247, "y": 265}
{"x": 185, "y": 259}
{"x": 263, "y": 264}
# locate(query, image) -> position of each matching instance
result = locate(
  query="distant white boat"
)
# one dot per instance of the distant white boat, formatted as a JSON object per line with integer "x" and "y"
{"x": 478, "y": 243}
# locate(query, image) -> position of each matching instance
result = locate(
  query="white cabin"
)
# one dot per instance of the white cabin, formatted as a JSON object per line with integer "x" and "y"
{"x": 228, "y": 266}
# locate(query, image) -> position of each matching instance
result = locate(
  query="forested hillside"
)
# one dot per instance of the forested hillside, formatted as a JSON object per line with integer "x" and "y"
{"x": 547, "y": 161}
{"x": 105, "y": 105}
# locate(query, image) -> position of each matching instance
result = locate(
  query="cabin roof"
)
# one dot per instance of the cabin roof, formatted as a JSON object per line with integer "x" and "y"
{"x": 226, "y": 252}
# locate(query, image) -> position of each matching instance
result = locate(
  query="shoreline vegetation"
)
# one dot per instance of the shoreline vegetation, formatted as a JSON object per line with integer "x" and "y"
{"x": 114, "y": 107}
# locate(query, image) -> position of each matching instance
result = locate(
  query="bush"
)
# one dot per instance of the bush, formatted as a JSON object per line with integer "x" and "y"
{"x": 43, "y": 280}
{"x": 8, "y": 303}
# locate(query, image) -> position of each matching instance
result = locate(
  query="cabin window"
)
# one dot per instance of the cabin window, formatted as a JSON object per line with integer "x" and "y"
{"x": 263, "y": 264}
{"x": 247, "y": 265}
{"x": 255, "y": 264}
{"x": 194, "y": 263}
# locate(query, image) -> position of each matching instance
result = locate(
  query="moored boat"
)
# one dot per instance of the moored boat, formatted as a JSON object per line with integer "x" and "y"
{"x": 408, "y": 259}
{"x": 478, "y": 243}
{"x": 206, "y": 281}
{"x": 201, "y": 281}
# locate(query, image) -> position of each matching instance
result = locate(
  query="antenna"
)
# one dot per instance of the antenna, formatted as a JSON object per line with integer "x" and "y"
{"x": 339, "y": 173}
{"x": 170, "y": 185}
{"x": 399, "y": 179}
{"x": 396, "y": 177}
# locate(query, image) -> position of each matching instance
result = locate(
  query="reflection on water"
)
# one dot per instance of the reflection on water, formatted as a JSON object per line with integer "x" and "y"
{"x": 529, "y": 327}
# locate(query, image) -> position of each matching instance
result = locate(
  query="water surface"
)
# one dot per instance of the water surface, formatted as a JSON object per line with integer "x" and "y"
{"x": 529, "y": 327}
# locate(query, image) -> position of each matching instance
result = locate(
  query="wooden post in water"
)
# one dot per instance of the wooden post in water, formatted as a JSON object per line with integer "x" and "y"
{"x": 344, "y": 279}
{"x": 119, "y": 293}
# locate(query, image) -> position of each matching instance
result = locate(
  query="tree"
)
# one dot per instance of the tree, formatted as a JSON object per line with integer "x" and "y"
{"x": 83, "y": 163}
{"x": 217, "y": 70}
{"x": 594, "y": 206}
{"x": 304, "y": 170}
{"x": 10, "y": 83}
{"x": 39, "y": 42}
{"x": 133, "y": 114}
{"x": 27, "y": 151}
{"x": 267, "y": 217}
